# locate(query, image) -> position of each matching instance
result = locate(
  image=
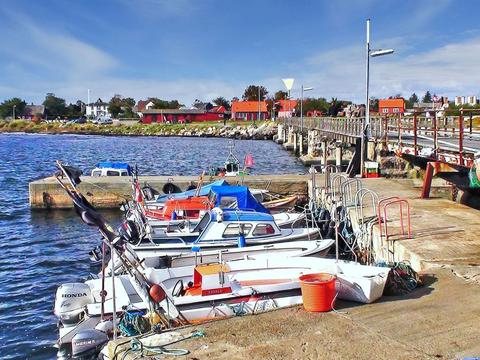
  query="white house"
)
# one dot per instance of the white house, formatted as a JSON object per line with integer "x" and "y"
{"x": 97, "y": 109}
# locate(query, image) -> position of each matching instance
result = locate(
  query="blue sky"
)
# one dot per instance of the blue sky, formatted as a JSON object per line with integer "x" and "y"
{"x": 189, "y": 49}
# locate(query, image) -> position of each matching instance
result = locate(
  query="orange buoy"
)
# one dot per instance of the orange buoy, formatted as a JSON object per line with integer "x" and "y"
{"x": 157, "y": 293}
{"x": 318, "y": 291}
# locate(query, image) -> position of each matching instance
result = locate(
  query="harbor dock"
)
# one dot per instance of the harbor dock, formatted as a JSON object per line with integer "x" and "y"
{"x": 110, "y": 191}
{"x": 435, "y": 321}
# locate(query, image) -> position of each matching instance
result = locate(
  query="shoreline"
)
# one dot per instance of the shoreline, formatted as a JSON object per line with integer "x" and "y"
{"x": 265, "y": 130}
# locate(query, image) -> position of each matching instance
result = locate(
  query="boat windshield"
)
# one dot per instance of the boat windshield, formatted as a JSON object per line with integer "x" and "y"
{"x": 203, "y": 223}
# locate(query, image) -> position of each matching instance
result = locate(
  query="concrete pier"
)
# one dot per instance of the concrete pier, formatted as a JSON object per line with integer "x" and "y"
{"x": 110, "y": 192}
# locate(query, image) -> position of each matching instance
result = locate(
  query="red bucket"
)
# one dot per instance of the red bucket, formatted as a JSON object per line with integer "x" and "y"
{"x": 318, "y": 291}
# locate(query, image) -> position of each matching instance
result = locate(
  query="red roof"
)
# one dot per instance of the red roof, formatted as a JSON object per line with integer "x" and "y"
{"x": 141, "y": 105}
{"x": 287, "y": 105}
{"x": 218, "y": 109}
{"x": 248, "y": 106}
{"x": 391, "y": 103}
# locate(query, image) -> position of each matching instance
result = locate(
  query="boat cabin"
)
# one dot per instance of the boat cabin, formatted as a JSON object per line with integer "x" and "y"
{"x": 182, "y": 209}
{"x": 229, "y": 224}
{"x": 112, "y": 169}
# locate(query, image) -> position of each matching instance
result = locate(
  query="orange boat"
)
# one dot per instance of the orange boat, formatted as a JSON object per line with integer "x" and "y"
{"x": 181, "y": 209}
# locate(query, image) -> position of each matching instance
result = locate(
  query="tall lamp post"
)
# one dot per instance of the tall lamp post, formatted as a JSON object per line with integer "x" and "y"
{"x": 366, "y": 126}
{"x": 13, "y": 111}
{"x": 301, "y": 106}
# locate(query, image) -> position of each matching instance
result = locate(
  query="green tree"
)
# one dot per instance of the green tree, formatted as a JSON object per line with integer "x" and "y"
{"x": 427, "y": 98}
{"x": 54, "y": 106}
{"x": 312, "y": 104}
{"x": 73, "y": 111}
{"x": 115, "y": 105}
{"x": 412, "y": 100}
{"x": 221, "y": 101}
{"x": 6, "y": 107}
{"x": 251, "y": 93}
{"x": 281, "y": 95}
{"x": 164, "y": 104}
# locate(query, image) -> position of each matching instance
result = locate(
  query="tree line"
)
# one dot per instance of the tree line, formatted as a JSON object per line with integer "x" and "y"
{"x": 124, "y": 107}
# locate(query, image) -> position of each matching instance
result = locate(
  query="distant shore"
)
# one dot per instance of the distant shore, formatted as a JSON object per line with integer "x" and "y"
{"x": 235, "y": 130}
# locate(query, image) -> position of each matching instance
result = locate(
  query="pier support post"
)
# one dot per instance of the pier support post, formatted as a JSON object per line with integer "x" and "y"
{"x": 295, "y": 142}
{"x": 324, "y": 153}
{"x": 300, "y": 143}
{"x": 427, "y": 181}
{"x": 280, "y": 134}
{"x": 338, "y": 154}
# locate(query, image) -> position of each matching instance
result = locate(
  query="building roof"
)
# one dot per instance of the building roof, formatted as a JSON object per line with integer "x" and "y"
{"x": 173, "y": 111}
{"x": 248, "y": 106}
{"x": 287, "y": 105}
{"x": 218, "y": 109}
{"x": 387, "y": 103}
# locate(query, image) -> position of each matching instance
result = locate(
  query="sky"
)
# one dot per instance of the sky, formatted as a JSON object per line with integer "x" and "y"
{"x": 201, "y": 49}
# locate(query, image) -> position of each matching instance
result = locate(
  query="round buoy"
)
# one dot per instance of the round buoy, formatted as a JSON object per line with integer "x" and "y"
{"x": 157, "y": 293}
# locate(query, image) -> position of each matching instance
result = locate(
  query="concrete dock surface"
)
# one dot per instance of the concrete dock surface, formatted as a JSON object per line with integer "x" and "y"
{"x": 436, "y": 321}
{"x": 445, "y": 234}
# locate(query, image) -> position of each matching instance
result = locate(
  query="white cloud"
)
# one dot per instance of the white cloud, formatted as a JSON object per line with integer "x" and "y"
{"x": 450, "y": 70}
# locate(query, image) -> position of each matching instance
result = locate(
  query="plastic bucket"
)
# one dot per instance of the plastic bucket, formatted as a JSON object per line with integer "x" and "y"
{"x": 318, "y": 291}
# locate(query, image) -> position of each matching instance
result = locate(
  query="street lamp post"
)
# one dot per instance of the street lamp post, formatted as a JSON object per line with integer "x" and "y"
{"x": 301, "y": 106}
{"x": 366, "y": 126}
{"x": 13, "y": 111}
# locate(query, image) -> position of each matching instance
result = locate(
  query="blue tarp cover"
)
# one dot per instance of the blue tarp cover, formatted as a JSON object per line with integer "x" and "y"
{"x": 204, "y": 191}
{"x": 245, "y": 199}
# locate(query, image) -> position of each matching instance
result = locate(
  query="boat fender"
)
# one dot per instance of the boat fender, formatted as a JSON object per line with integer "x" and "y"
{"x": 174, "y": 215}
{"x": 171, "y": 188}
{"x": 157, "y": 293}
{"x": 128, "y": 231}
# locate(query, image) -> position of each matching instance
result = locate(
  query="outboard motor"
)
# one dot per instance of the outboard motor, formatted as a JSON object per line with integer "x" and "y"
{"x": 70, "y": 302}
{"x": 88, "y": 343}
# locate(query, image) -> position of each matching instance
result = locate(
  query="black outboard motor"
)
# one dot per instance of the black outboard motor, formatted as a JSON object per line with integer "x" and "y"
{"x": 128, "y": 231}
{"x": 86, "y": 344}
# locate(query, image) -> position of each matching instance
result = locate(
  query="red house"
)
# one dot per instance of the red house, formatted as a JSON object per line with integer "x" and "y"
{"x": 391, "y": 106}
{"x": 182, "y": 115}
{"x": 248, "y": 110}
{"x": 286, "y": 108}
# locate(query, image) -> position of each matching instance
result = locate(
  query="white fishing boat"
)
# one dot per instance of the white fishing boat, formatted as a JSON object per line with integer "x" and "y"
{"x": 159, "y": 258}
{"x": 221, "y": 229}
{"x": 196, "y": 293}
{"x": 213, "y": 290}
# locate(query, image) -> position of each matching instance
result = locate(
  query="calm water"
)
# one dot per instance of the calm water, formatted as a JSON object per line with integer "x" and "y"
{"x": 40, "y": 250}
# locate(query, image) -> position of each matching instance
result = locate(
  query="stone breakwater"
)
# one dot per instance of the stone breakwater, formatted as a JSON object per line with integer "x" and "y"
{"x": 262, "y": 131}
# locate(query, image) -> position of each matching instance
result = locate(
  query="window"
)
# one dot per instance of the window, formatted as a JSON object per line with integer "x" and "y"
{"x": 396, "y": 110}
{"x": 228, "y": 202}
{"x": 202, "y": 224}
{"x": 233, "y": 230}
{"x": 112, "y": 173}
{"x": 263, "y": 229}
{"x": 97, "y": 173}
{"x": 385, "y": 110}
